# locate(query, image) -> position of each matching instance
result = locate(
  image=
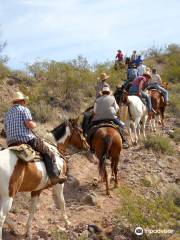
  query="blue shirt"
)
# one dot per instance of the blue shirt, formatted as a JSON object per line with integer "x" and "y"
{"x": 15, "y": 128}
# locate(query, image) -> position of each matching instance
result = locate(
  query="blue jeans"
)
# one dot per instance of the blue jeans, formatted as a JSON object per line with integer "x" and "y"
{"x": 119, "y": 123}
{"x": 163, "y": 90}
{"x": 148, "y": 100}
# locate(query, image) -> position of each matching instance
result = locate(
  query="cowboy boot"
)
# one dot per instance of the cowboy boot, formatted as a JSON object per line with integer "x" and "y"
{"x": 52, "y": 171}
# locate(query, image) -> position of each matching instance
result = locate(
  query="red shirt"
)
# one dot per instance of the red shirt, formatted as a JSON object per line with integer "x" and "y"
{"x": 140, "y": 82}
{"x": 119, "y": 56}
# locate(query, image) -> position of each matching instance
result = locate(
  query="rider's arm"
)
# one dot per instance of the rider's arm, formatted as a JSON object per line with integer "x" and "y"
{"x": 140, "y": 86}
{"x": 27, "y": 117}
{"x": 30, "y": 124}
{"x": 160, "y": 81}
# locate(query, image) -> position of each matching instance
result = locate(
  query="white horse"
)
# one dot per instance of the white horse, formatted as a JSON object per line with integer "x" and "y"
{"x": 17, "y": 176}
{"x": 137, "y": 113}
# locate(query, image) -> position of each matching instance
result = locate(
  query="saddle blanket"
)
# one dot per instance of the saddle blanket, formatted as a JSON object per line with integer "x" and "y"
{"x": 102, "y": 123}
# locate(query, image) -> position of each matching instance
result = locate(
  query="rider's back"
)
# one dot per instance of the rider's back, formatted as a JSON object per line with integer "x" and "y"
{"x": 105, "y": 108}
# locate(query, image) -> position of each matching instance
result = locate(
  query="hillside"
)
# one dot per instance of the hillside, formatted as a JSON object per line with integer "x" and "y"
{"x": 148, "y": 194}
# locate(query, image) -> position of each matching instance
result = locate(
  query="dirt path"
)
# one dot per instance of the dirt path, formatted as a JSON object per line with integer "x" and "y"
{"x": 136, "y": 164}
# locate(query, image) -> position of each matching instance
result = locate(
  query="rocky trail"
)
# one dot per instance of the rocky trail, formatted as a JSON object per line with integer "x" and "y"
{"x": 149, "y": 173}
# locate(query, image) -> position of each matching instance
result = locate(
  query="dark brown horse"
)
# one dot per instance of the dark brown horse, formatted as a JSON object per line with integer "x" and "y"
{"x": 107, "y": 144}
{"x": 158, "y": 105}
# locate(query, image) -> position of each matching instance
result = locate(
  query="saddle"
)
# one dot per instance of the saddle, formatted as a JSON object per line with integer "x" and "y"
{"x": 25, "y": 153}
{"x": 155, "y": 89}
{"x": 100, "y": 124}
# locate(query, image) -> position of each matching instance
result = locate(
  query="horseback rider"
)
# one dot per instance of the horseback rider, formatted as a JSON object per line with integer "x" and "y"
{"x": 105, "y": 108}
{"x": 134, "y": 56}
{"x": 119, "y": 56}
{"x": 102, "y": 83}
{"x": 156, "y": 83}
{"x": 131, "y": 75}
{"x": 18, "y": 128}
{"x": 141, "y": 69}
{"x": 137, "y": 87}
{"x": 138, "y": 60}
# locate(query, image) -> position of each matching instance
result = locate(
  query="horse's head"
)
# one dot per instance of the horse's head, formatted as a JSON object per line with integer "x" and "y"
{"x": 70, "y": 133}
{"x": 121, "y": 95}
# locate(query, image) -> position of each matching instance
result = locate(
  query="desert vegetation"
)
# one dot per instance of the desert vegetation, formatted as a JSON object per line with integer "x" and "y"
{"x": 60, "y": 89}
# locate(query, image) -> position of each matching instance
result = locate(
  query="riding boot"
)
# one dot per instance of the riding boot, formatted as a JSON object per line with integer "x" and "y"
{"x": 52, "y": 170}
{"x": 124, "y": 140}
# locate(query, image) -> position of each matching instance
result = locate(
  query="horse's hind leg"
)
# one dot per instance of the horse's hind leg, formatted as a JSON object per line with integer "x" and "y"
{"x": 115, "y": 169}
{"x": 32, "y": 211}
{"x": 5, "y": 206}
{"x": 59, "y": 200}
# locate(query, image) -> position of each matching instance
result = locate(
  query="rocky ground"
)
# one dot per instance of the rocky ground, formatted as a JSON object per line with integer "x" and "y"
{"x": 144, "y": 171}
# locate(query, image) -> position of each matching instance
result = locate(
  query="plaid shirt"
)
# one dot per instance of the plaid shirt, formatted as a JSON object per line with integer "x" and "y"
{"x": 15, "y": 128}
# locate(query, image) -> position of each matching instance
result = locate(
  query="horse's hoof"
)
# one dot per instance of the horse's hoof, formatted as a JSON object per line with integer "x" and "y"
{"x": 68, "y": 223}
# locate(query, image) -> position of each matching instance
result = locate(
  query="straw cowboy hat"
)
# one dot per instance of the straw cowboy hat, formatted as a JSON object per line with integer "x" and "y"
{"x": 18, "y": 96}
{"x": 147, "y": 74}
{"x": 103, "y": 76}
{"x": 106, "y": 89}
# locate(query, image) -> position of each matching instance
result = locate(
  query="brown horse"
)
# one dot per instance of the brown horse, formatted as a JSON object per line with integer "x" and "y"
{"x": 107, "y": 144}
{"x": 158, "y": 105}
{"x": 17, "y": 176}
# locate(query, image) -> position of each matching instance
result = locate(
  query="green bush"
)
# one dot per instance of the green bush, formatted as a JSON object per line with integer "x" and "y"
{"x": 158, "y": 143}
{"x": 42, "y": 112}
{"x": 140, "y": 211}
{"x": 175, "y": 135}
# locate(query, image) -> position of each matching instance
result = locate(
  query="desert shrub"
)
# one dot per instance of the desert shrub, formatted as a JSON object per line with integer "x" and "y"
{"x": 56, "y": 234}
{"x": 42, "y": 112}
{"x": 4, "y": 70}
{"x": 174, "y": 96}
{"x": 158, "y": 143}
{"x": 4, "y": 107}
{"x": 144, "y": 212}
{"x": 175, "y": 135}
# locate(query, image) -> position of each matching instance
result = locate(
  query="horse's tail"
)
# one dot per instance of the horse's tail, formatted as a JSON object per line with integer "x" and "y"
{"x": 102, "y": 162}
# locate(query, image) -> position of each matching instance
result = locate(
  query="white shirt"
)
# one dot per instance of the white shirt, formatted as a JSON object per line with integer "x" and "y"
{"x": 141, "y": 70}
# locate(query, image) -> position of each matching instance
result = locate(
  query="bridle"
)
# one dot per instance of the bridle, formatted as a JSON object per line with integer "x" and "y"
{"x": 73, "y": 130}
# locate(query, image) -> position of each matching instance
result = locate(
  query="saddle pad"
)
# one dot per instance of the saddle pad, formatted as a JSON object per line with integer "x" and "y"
{"x": 24, "y": 152}
{"x": 93, "y": 129}
{"x": 154, "y": 89}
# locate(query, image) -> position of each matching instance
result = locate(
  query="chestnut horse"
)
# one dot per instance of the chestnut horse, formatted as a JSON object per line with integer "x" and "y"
{"x": 17, "y": 176}
{"x": 106, "y": 143}
{"x": 158, "y": 105}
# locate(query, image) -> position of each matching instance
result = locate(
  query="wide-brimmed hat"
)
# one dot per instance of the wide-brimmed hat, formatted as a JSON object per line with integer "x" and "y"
{"x": 103, "y": 76}
{"x": 18, "y": 96}
{"x": 147, "y": 74}
{"x": 106, "y": 89}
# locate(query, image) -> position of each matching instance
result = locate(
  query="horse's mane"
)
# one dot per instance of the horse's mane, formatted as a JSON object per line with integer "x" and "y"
{"x": 59, "y": 131}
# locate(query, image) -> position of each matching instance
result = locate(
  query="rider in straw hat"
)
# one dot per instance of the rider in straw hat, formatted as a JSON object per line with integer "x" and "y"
{"x": 18, "y": 128}
{"x": 105, "y": 108}
{"x": 102, "y": 83}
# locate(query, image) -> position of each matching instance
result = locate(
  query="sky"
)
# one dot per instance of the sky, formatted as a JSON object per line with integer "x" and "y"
{"x": 61, "y": 30}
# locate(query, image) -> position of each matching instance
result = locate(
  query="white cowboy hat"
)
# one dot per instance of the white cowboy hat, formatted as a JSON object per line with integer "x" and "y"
{"x": 19, "y": 96}
{"x": 106, "y": 89}
{"x": 103, "y": 76}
